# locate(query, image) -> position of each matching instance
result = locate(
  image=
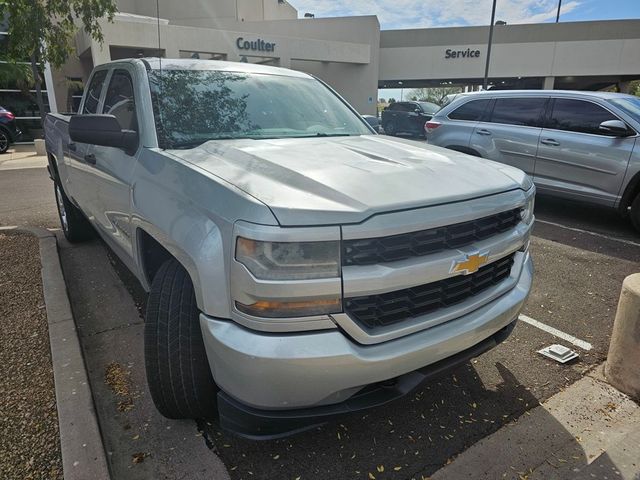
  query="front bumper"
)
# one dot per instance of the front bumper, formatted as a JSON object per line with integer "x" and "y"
{"x": 265, "y": 371}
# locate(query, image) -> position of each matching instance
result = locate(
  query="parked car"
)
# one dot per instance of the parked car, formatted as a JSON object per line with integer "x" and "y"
{"x": 298, "y": 265}
{"x": 374, "y": 121}
{"x": 578, "y": 145}
{"x": 9, "y": 131}
{"x": 407, "y": 117}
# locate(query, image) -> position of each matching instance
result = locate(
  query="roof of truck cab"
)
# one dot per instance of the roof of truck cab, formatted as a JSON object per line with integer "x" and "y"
{"x": 196, "y": 64}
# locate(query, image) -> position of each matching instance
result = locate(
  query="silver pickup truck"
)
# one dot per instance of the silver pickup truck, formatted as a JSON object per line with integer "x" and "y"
{"x": 299, "y": 266}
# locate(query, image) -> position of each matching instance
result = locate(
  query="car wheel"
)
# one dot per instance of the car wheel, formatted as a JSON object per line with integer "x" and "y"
{"x": 4, "y": 141}
{"x": 75, "y": 227}
{"x": 391, "y": 129}
{"x": 634, "y": 214}
{"x": 178, "y": 372}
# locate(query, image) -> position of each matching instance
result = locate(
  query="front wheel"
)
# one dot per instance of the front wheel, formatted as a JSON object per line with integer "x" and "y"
{"x": 634, "y": 214}
{"x": 178, "y": 372}
{"x": 75, "y": 227}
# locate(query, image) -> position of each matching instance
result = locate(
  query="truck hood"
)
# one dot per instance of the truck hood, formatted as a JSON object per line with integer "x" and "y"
{"x": 339, "y": 180}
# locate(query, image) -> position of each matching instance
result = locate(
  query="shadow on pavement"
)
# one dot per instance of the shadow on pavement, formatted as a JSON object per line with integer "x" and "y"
{"x": 407, "y": 438}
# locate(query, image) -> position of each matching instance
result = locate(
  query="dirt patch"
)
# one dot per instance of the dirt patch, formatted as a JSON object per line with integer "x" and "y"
{"x": 29, "y": 437}
{"x": 119, "y": 380}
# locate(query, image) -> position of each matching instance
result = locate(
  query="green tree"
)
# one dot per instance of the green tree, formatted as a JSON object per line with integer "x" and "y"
{"x": 43, "y": 31}
{"x": 14, "y": 75}
{"x": 433, "y": 95}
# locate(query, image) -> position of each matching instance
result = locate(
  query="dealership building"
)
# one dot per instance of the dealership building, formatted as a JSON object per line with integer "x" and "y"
{"x": 352, "y": 54}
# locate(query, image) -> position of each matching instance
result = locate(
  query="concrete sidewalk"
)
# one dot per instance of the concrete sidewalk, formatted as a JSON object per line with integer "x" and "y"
{"x": 589, "y": 430}
{"x": 22, "y": 156}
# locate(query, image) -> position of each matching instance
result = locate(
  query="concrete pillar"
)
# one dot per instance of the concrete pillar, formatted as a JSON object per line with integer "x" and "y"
{"x": 622, "y": 367}
{"x": 548, "y": 83}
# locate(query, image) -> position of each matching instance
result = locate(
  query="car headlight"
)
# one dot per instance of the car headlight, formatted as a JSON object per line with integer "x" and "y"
{"x": 527, "y": 210}
{"x": 281, "y": 262}
{"x": 289, "y": 260}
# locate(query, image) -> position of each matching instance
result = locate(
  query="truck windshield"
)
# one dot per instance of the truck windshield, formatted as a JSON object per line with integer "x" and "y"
{"x": 194, "y": 106}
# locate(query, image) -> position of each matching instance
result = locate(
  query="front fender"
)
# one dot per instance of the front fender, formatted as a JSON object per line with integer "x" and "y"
{"x": 191, "y": 214}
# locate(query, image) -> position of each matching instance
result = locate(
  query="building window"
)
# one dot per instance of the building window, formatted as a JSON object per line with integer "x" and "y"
{"x": 18, "y": 95}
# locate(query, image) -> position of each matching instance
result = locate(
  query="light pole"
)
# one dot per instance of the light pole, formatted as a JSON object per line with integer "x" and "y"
{"x": 558, "y": 14}
{"x": 486, "y": 66}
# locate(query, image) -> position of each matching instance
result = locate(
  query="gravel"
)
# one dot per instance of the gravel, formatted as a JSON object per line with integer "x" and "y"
{"x": 29, "y": 438}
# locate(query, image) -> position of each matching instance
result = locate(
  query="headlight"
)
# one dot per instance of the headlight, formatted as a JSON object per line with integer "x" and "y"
{"x": 289, "y": 260}
{"x": 527, "y": 210}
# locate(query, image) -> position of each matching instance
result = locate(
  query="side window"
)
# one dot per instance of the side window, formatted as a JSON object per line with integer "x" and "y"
{"x": 471, "y": 111}
{"x": 518, "y": 111}
{"x": 119, "y": 100}
{"x": 93, "y": 92}
{"x": 578, "y": 116}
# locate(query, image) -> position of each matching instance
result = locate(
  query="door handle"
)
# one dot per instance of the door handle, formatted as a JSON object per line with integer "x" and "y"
{"x": 483, "y": 131}
{"x": 550, "y": 141}
{"x": 90, "y": 158}
{"x": 72, "y": 147}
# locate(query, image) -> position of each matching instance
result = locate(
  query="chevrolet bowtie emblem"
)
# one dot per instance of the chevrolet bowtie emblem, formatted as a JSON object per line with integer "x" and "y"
{"x": 470, "y": 264}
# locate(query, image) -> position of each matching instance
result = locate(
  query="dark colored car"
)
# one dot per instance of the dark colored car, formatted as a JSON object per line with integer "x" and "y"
{"x": 9, "y": 131}
{"x": 373, "y": 121}
{"x": 407, "y": 117}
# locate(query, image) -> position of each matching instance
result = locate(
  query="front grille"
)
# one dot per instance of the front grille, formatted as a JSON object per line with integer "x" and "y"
{"x": 368, "y": 251}
{"x": 390, "y": 308}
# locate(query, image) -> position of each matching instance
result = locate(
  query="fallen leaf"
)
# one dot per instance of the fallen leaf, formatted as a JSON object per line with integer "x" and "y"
{"x": 138, "y": 457}
{"x": 380, "y": 468}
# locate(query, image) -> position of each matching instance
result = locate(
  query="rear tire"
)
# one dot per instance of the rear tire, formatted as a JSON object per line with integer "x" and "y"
{"x": 178, "y": 372}
{"x": 5, "y": 141}
{"x": 634, "y": 213}
{"x": 75, "y": 227}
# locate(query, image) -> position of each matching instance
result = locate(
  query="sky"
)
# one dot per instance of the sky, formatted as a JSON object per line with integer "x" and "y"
{"x": 399, "y": 14}
{"x": 395, "y": 14}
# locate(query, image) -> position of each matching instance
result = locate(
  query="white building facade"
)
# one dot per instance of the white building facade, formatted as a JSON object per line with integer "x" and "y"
{"x": 353, "y": 55}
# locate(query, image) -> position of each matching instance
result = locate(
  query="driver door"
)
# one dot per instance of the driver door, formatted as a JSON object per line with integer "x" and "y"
{"x": 114, "y": 167}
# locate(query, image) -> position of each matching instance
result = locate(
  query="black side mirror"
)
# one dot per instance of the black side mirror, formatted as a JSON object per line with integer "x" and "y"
{"x": 614, "y": 127}
{"x": 104, "y": 130}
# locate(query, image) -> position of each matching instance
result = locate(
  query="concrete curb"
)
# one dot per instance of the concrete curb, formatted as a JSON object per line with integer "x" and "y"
{"x": 83, "y": 454}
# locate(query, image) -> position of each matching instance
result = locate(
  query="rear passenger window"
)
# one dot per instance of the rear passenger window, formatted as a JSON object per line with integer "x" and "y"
{"x": 119, "y": 100}
{"x": 471, "y": 111}
{"x": 518, "y": 111}
{"x": 93, "y": 93}
{"x": 578, "y": 116}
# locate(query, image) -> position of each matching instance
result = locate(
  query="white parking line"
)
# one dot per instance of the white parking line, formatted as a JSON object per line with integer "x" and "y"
{"x": 557, "y": 333}
{"x": 595, "y": 234}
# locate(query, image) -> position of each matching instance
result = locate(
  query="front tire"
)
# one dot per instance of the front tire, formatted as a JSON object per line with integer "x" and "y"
{"x": 178, "y": 372}
{"x": 75, "y": 227}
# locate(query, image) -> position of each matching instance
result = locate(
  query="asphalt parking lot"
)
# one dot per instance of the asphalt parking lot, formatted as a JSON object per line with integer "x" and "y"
{"x": 581, "y": 255}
